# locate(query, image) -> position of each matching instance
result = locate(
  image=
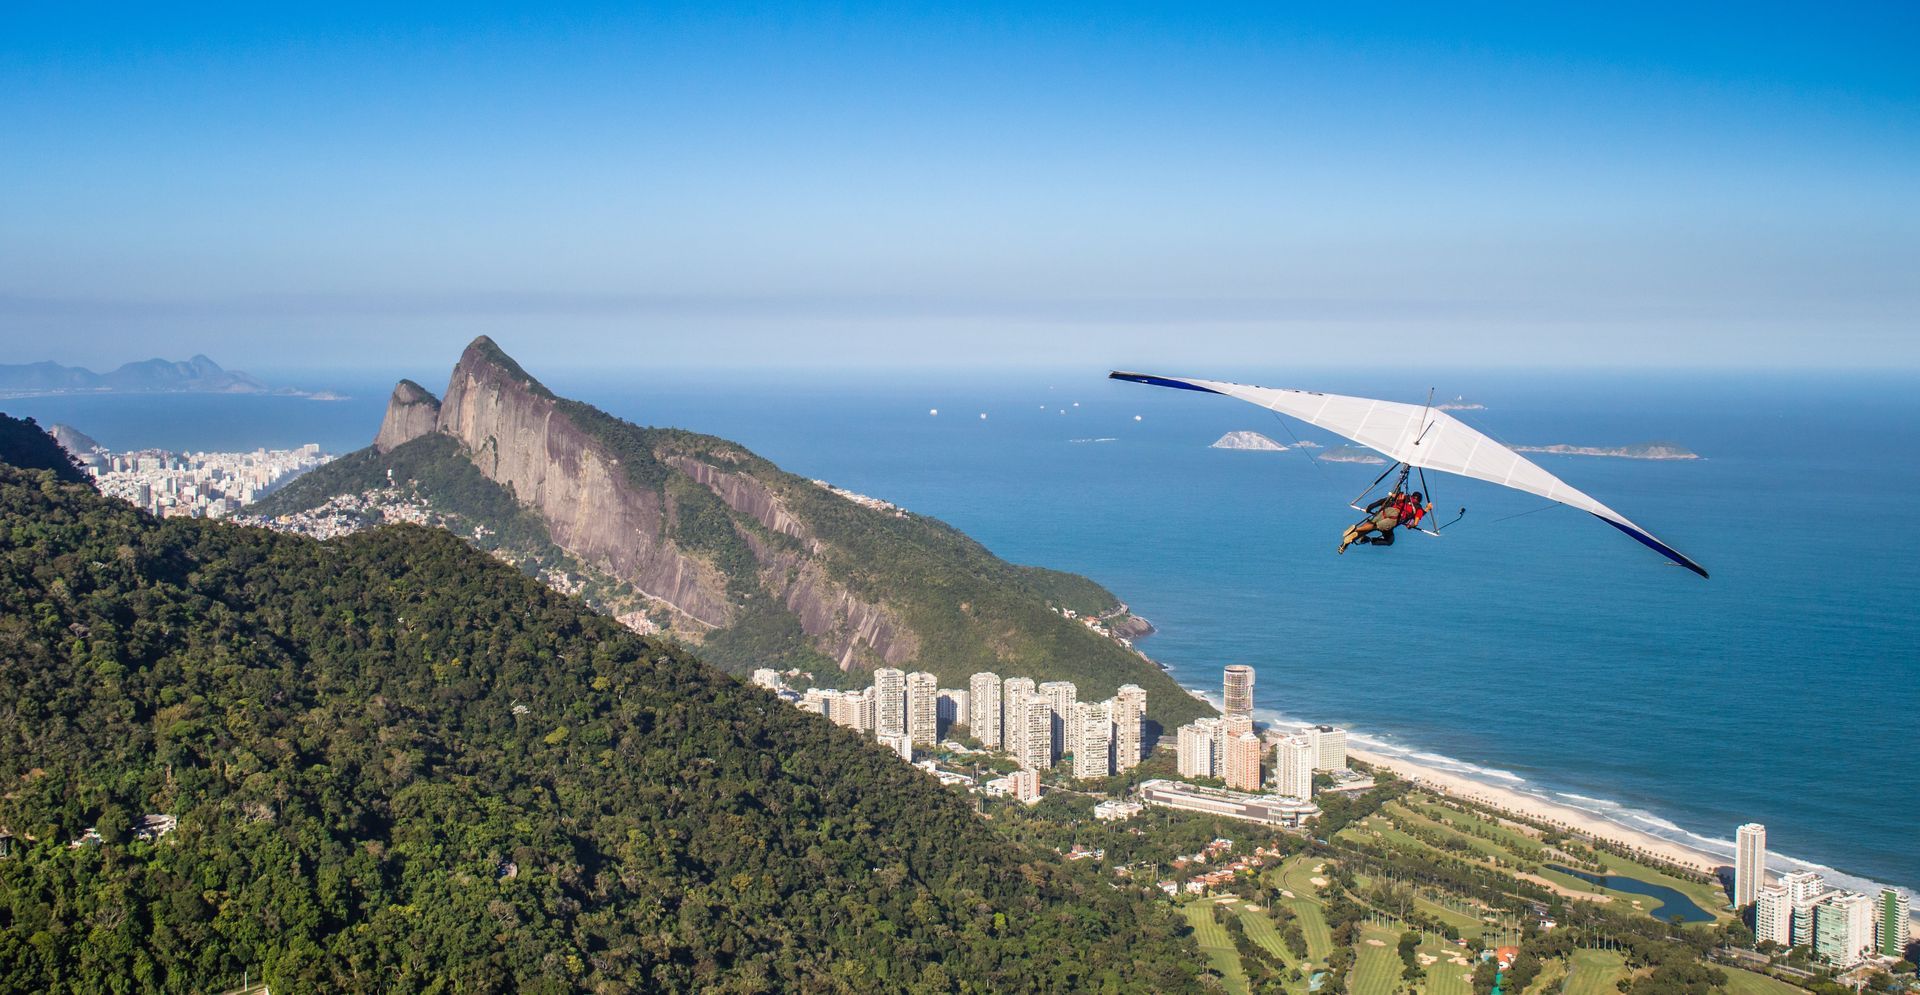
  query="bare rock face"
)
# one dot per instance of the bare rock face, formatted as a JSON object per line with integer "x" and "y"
{"x": 411, "y": 413}
{"x": 513, "y": 433}
{"x": 853, "y": 631}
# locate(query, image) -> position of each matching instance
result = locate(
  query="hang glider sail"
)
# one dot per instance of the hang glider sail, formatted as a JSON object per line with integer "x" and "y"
{"x": 1419, "y": 437}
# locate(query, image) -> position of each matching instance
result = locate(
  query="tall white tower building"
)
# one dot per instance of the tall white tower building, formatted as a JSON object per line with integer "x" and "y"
{"x": 1749, "y": 864}
{"x": 984, "y": 699}
{"x": 1093, "y": 746}
{"x": 1013, "y": 726}
{"x": 1329, "y": 747}
{"x": 889, "y": 702}
{"x": 923, "y": 708}
{"x": 1061, "y": 696}
{"x": 1294, "y": 760}
{"x": 1129, "y": 711}
{"x": 1197, "y": 748}
{"x": 1034, "y": 714}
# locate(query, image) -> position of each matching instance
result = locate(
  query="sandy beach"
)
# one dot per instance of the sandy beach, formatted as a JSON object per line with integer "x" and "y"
{"x": 1541, "y": 810}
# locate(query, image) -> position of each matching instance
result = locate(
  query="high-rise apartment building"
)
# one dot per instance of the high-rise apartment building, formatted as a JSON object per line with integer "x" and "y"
{"x": 1773, "y": 916}
{"x": 955, "y": 706}
{"x": 1093, "y": 735}
{"x": 1129, "y": 711}
{"x": 1241, "y": 769}
{"x": 1805, "y": 889}
{"x": 1034, "y": 715}
{"x": 1843, "y": 928}
{"x": 1238, "y": 691}
{"x": 1196, "y": 749}
{"x": 983, "y": 698}
{"x": 1749, "y": 863}
{"x": 923, "y": 708}
{"x": 1329, "y": 747}
{"x": 1013, "y": 729}
{"x": 889, "y": 702}
{"x": 1060, "y": 696}
{"x": 1293, "y": 765}
{"x": 1892, "y": 923}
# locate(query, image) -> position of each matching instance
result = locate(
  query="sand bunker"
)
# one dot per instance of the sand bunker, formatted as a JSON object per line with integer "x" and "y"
{"x": 1322, "y": 883}
{"x": 1376, "y": 943}
{"x": 1426, "y": 960}
{"x": 1284, "y": 893}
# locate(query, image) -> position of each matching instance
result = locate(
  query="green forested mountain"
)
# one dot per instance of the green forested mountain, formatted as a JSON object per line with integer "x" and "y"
{"x": 399, "y": 765}
{"x": 724, "y": 550}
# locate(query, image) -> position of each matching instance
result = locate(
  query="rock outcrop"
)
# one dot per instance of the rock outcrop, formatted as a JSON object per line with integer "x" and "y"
{"x": 412, "y": 412}
{"x": 513, "y": 433}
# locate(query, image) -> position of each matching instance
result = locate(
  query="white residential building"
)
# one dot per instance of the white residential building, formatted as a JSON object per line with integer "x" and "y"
{"x": 1033, "y": 716}
{"x": 768, "y": 678}
{"x": 1240, "y": 766}
{"x": 1805, "y": 889}
{"x": 1129, "y": 710}
{"x": 898, "y": 742}
{"x": 923, "y": 708}
{"x": 1060, "y": 696}
{"x": 1093, "y": 746}
{"x": 1295, "y": 758}
{"x": 1329, "y": 747}
{"x": 1749, "y": 864}
{"x": 889, "y": 702}
{"x": 1773, "y": 916}
{"x": 1114, "y": 809}
{"x": 984, "y": 698}
{"x": 1197, "y": 746}
{"x": 1013, "y": 728}
{"x": 1026, "y": 785}
{"x": 955, "y": 705}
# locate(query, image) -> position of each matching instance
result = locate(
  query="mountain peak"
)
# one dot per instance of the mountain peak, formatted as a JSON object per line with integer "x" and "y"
{"x": 483, "y": 352}
{"x": 412, "y": 412}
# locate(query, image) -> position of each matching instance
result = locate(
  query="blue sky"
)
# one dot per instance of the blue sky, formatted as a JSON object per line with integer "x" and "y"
{"x": 1519, "y": 185}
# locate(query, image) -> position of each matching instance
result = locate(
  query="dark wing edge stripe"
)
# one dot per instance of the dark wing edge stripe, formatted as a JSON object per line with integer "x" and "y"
{"x": 1159, "y": 382}
{"x": 1656, "y": 545}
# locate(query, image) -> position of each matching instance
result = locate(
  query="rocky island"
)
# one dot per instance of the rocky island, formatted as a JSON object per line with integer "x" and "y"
{"x": 1644, "y": 450}
{"x": 1248, "y": 440}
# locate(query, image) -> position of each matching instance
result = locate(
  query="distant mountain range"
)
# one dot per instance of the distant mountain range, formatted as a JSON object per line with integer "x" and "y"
{"x": 199, "y": 374}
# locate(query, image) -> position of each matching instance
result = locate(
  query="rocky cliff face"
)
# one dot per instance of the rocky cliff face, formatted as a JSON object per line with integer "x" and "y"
{"x": 513, "y": 433}
{"x": 411, "y": 413}
{"x": 847, "y": 628}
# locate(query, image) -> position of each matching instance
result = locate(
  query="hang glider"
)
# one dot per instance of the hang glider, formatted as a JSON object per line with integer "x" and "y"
{"x": 1422, "y": 438}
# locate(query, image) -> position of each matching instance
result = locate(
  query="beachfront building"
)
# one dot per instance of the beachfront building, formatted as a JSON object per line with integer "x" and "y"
{"x": 1093, "y": 740}
{"x": 1013, "y": 729}
{"x": 1060, "y": 696}
{"x": 983, "y": 699}
{"x": 1891, "y": 918}
{"x": 1129, "y": 711}
{"x": 1197, "y": 748}
{"x": 1773, "y": 916}
{"x": 1293, "y": 765}
{"x": 1749, "y": 864}
{"x": 923, "y": 708}
{"x": 1033, "y": 715}
{"x": 889, "y": 702}
{"x": 1805, "y": 889}
{"x": 1329, "y": 747}
{"x": 1241, "y": 756}
{"x": 1843, "y": 928}
{"x": 1238, "y": 691}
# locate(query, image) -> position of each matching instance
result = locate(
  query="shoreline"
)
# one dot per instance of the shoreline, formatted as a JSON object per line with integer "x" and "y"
{"x": 1544, "y": 811}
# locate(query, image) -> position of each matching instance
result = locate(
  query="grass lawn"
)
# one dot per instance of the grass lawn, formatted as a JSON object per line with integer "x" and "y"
{"x": 1443, "y": 977}
{"x": 1748, "y": 983}
{"x": 1216, "y": 945}
{"x": 1594, "y": 973}
{"x": 1483, "y": 847}
{"x": 1376, "y": 969}
{"x": 1509, "y": 837}
{"x": 1261, "y": 930}
{"x": 1297, "y": 876}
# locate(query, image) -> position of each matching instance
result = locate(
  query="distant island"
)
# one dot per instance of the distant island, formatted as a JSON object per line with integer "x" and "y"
{"x": 1644, "y": 450}
{"x": 198, "y": 375}
{"x": 1460, "y": 404}
{"x": 1248, "y": 440}
{"x": 1351, "y": 454}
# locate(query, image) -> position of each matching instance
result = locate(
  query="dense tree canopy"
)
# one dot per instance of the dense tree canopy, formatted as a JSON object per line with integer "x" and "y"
{"x": 401, "y": 766}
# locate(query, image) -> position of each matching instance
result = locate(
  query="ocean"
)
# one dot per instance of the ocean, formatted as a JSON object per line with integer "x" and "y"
{"x": 1539, "y": 649}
